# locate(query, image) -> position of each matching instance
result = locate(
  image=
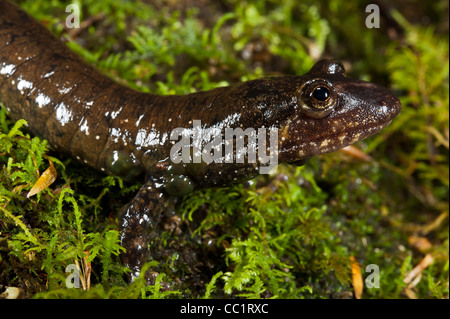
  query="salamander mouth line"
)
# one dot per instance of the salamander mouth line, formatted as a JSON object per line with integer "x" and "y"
{"x": 320, "y": 144}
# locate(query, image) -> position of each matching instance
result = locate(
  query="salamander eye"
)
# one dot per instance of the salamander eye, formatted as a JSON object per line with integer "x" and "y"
{"x": 321, "y": 93}
{"x": 318, "y": 98}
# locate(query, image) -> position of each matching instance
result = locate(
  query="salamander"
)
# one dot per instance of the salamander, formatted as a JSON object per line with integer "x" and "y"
{"x": 120, "y": 131}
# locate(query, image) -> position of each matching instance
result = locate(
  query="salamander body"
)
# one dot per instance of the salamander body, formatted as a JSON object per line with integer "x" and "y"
{"x": 120, "y": 131}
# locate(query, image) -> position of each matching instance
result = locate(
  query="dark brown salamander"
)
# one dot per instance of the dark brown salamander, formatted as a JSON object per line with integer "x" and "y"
{"x": 120, "y": 131}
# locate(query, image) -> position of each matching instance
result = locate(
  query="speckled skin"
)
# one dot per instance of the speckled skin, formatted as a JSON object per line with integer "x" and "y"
{"x": 120, "y": 131}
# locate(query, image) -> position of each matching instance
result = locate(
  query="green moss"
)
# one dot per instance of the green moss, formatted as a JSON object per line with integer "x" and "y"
{"x": 288, "y": 235}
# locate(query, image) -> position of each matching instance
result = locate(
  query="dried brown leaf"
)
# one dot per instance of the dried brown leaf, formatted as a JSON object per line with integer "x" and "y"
{"x": 44, "y": 181}
{"x": 357, "y": 279}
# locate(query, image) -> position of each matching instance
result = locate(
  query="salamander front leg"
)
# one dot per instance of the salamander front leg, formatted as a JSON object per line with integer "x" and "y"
{"x": 139, "y": 223}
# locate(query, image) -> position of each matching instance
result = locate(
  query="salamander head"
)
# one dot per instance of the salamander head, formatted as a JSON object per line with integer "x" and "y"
{"x": 332, "y": 112}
